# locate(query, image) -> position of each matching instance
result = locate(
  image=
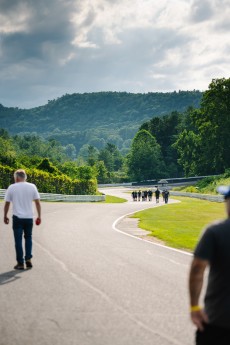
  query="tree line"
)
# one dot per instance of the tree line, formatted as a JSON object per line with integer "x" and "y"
{"x": 195, "y": 142}
{"x": 188, "y": 143}
{"x": 95, "y": 118}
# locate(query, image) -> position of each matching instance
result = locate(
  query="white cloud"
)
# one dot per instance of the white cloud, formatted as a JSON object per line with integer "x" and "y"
{"x": 62, "y": 46}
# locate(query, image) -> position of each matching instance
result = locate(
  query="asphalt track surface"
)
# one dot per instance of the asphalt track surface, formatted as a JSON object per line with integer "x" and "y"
{"x": 93, "y": 285}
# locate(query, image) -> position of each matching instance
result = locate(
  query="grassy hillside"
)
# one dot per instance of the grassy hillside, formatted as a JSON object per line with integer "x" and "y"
{"x": 95, "y": 118}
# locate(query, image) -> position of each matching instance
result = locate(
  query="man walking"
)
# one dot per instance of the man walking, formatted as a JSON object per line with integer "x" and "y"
{"x": 157, "y": 195}
{"x": 213, "y": 250}
{"x": 22, "y": 194}
{"x": 166, "y": 196}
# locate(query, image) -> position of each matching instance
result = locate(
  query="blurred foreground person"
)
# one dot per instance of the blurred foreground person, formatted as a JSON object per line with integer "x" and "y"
{"x": 213, "y": 251}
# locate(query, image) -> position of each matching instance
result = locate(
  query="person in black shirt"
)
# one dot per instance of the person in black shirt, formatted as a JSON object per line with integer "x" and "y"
{"x": 213, "y": 250}
{"x": 157, "y": 195}
{"x": 166, "y": 196}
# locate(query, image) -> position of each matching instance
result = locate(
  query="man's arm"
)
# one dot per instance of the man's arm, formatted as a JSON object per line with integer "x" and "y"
{"x": 196, "y": 278}
{"x": 38, "y": 207}
{"x": 6, "y": 209}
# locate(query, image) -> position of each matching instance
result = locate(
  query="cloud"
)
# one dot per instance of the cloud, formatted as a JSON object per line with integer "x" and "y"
{"x": 42, "y": 27}
{"x": 49, "y": 48}
{"x": 201, "y": 10}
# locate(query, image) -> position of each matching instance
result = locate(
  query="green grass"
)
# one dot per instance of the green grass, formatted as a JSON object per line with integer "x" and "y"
{"x": 204, "y": 187}
{"x": 109, "y": 199}
{"x": 211, "y": 188}
{"x": 180, "y": 225}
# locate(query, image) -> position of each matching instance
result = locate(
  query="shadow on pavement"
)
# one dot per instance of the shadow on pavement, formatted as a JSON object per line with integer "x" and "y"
{"x": 10, "y": 277}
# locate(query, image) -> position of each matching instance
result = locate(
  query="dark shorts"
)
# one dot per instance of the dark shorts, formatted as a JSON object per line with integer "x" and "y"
{"x": 213, "y": 335}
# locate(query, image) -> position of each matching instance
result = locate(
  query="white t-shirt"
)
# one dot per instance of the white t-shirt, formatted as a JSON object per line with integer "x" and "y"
{"x": 21, "y": 194}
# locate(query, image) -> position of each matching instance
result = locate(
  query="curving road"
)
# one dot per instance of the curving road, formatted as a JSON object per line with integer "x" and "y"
{"x": 92, "y": 285}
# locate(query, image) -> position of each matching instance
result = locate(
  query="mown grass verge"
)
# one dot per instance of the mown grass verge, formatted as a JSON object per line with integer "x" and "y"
{"x": 180, "y": 225}
{"x": 109, "y": 199}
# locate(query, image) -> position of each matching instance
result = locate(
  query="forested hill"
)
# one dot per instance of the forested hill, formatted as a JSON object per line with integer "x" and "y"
{"x": 95, "y": 118}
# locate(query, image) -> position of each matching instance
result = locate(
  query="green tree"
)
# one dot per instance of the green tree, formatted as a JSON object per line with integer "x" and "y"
{"x": 92, "y": 155}
{"x": 166, "y": 130}
{"x": 213, "y": 125}
{"x": 7, "y": 149}
{"x": 86, "y": 172}
{"x": 70, "y": 151}
{"x": 70, "y": 169}
{"x": 112, "y": 157}
{"x": 102, "y": 172}
{"x": 46, "y": 165}
{"x": 145, "y": 158}
{"x": 188, "y": 149}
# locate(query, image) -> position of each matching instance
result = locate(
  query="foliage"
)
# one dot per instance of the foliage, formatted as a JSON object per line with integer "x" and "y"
{"x": 95, "y": 118}
{"x": 209, "y": 184}
{"x": 145, "y": 160}
{"x": 206, "y": 182}
{"x": 102, "y": 172}
{"x": 166, "y": 130}
{"x": 103, "y": 127}
{"x": 111, "y": 157}
{"x": 33, "y": 145}
{"x": 6, "y": 176}
{"x": 46, "y": 165}
{"x": 191, "y": 189}
{"x": 197, "y": 140}
{"x": 7, "y": 153}
{"x": 204, "y": 149}
{"x": 214, "y": 124}
{"x": 69, "y": 168}
{"x": 188, "y": 147}
{"x": 49, "y": 183}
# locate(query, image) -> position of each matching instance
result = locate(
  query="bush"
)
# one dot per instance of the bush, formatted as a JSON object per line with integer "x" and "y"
{"x": 48, "y": 183}
{"x": 191, "y": 189}
{"x": 206, "y": 181}
{"x": 226, "y": 173}
{"x": 6, "y": 176}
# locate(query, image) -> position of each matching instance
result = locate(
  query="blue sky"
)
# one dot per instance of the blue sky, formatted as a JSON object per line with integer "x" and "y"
{"x": 50, "y": 48}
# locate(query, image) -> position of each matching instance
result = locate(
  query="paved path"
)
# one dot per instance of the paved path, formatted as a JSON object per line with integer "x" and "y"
{"x": 92, "y": 285}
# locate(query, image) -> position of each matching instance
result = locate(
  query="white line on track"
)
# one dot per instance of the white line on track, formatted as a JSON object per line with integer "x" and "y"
{"x": 114, "y": 226}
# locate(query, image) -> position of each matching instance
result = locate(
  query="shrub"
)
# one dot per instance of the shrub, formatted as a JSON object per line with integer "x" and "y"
{"x": 49, "y": 183}
{"x": 191, "y": 189}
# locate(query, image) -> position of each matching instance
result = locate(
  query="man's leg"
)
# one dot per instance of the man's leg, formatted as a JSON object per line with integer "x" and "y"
{"x": 18, "y": 231}
{"x": 28, "y": 226}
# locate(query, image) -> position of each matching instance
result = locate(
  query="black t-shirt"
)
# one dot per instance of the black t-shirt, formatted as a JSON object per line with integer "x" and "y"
{"x": 157, "y": 193}
{"x": 214, "y": 246}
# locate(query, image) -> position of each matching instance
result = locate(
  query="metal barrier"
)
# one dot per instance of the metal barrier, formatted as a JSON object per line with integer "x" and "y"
{"x": 63, "y": 197}
{"x": 209, "y": 197}
{"x": 96, "y": 198}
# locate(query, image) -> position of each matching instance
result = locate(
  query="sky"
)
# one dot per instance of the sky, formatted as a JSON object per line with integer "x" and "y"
{"x": 56, "y": 47}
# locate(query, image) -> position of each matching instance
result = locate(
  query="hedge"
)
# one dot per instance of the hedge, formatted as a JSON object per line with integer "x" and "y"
{"x": 48, "y": 183}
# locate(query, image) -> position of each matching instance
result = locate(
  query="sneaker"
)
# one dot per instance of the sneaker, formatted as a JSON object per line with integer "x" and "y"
{"x": 29, "y": 264}
{"x": 19, "y": 266}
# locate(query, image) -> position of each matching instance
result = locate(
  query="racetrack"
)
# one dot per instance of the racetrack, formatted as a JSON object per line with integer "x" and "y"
{"x": 92, "y": 285}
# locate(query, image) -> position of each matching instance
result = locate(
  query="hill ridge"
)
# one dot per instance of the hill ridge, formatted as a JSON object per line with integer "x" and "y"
{"x": 95, "y": 118}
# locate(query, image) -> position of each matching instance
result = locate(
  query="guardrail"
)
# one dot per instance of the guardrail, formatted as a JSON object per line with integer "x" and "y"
{"x": 64, "y": 197}
{"x": 209, "y": 197}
